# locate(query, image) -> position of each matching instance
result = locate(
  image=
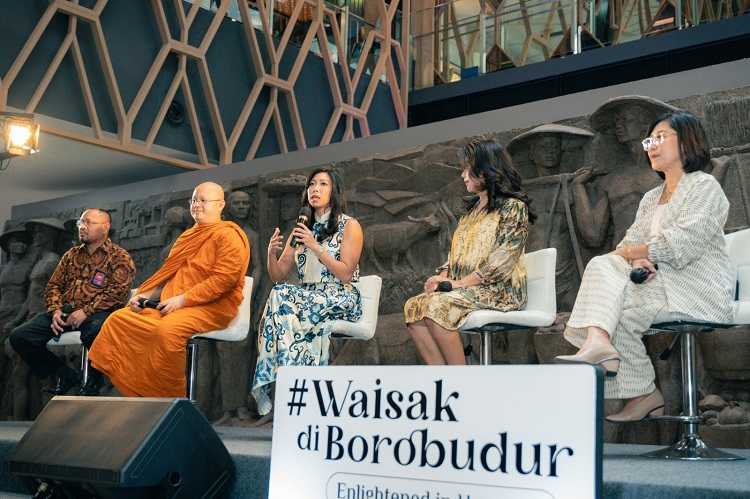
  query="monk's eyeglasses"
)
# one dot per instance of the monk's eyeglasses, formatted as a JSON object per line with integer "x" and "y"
{"x": 649, "y": 142}
{"x": 202, "y": 202}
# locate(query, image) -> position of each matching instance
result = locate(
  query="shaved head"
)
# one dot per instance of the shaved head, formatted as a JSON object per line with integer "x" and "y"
{"x": 207, "y": 203}
{"x": 212, "y": 188}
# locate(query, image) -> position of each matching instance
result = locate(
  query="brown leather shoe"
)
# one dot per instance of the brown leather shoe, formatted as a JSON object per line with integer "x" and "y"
{"x": 650, "y": 405}
{"x": 604, "y": 356}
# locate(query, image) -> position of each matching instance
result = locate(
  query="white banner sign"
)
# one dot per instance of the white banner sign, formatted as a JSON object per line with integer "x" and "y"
{"x": 413, "y": 432}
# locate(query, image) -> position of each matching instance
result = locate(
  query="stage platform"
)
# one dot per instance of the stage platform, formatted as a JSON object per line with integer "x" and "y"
{"x": 626, "y": 475}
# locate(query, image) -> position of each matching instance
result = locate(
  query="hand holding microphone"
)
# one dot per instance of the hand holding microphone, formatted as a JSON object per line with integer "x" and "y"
{"x": 642, "y": 270}
{"x": 59, "y": 320}
{"x": 67, "y": 309}
{"x": 305, "y": 214}
{"x": 144, "y": 302}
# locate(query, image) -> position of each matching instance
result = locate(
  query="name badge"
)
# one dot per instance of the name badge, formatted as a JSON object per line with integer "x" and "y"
{"x": 98, "y": 279}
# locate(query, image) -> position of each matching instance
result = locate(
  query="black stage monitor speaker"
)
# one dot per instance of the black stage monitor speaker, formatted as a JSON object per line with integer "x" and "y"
{"x": 116, "y": 447}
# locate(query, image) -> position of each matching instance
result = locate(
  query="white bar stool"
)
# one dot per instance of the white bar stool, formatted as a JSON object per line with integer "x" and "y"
{"x": 540, "y": 309}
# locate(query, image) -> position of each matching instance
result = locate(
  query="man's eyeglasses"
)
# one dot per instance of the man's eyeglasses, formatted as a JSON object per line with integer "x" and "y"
{"x": 202, "y": 202}
{"x": 81, "y": 223}
{"x": 656, "y": 140}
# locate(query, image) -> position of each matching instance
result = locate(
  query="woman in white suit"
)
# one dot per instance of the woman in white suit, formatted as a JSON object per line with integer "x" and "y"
{"x": 678, "y": 237}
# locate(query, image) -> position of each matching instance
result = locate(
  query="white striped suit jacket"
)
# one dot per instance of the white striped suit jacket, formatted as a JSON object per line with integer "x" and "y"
{"x": 690, "y": 248}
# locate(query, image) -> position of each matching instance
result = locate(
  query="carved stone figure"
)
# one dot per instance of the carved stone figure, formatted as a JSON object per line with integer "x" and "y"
{"x": 629, "y": 174}
{"x": 235, "y": 358}
{"x": 70, "y": 237}
{"x": 177, "y": 220}
{"x": 552, "y": 202}
{"x": 14, "y": 277}
{"x": 238, "y": 210}
{"x": 393, "y": 240}
{"x": 14, "y": 283}
{"x": 45, "y": 233}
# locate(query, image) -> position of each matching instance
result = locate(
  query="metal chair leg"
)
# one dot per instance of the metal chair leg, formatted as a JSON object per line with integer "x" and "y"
{"x": 192, "y": 369}
{"x": 84, "y": 365}
{"x": 690, "y": 446}
{"x": 486, "y": 353}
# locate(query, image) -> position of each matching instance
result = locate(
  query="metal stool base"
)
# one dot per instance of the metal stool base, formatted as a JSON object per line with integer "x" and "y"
{"x": 191, "y": 369}
{"x": 692, "y": 448}
{"x": 84, "y": 365}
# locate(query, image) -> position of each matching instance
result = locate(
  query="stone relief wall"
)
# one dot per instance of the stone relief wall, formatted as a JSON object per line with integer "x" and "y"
{"x": 585, "y": 176}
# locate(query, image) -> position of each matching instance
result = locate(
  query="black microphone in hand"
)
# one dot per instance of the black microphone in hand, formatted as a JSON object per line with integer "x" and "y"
{"x": 639, "y": 274}
{"x": 146, "y": 303}
{"x": 67, "y": 309}
{"x": 444, "y": 286}
{"x": 304, "y": 216}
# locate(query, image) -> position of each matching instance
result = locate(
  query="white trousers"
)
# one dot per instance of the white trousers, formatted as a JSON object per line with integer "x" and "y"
{"x": 608, "y": 300}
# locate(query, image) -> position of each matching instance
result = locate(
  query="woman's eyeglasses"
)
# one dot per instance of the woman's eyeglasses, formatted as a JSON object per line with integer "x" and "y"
{"x": 650, "y": 142}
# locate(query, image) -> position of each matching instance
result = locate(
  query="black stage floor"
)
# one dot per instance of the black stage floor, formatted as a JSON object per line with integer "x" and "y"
{"x": 626, "y": 475}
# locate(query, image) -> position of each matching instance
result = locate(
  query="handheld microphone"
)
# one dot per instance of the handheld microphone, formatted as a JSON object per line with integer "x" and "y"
{"x": 444, "y": 286}
{"x": 146, "y": 303}
{"x": 304, "y": 216}
{"x": 639, "y": 274}
{"x": 67, "y": 309}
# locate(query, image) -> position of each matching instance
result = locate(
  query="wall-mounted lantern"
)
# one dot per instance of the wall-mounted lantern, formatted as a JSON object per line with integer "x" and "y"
{"x": 19, "y": 136}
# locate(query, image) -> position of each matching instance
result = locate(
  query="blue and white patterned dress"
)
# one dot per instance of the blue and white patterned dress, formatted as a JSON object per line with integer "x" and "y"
{"x": 295, "y": 328}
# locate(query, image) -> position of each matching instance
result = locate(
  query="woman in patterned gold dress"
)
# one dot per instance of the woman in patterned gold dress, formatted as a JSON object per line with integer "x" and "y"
{"x": 484, "y": 266}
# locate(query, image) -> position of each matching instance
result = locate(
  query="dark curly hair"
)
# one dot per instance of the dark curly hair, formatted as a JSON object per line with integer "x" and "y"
{"x": 489, "y": 161}
{"x": 337, "y": 203}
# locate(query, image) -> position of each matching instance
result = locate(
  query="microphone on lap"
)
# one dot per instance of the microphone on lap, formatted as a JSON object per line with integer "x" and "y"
{"x": 67, "y": 309}
{"x": 304, "y": 216}
{"x": 639, "y": 274}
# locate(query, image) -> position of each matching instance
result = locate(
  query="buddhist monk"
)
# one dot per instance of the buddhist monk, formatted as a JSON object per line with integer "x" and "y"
{"x": 198, "y": 289}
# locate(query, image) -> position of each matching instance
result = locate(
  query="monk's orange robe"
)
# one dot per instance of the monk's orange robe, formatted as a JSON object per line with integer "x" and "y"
{"x": 144, "y": 353}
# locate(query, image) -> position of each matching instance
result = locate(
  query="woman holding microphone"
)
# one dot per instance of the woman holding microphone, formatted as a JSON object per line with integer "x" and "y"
{"x": 326, "y": 256}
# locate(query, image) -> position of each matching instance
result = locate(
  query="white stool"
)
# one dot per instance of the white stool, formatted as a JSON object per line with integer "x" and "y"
{"x": 690, "y": 446}
{"x": 236, "y": 331}
{"x": 364, "y": 329}
{"x": 73, "y": 338}
{"x": 540, "y": 309}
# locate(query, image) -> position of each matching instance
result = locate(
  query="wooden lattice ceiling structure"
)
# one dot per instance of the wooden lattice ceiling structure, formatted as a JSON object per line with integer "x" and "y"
{"x": 347, "y": 105}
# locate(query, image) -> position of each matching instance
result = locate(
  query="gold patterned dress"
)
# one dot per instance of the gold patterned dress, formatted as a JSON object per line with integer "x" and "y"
{"x": 490, "y": 245}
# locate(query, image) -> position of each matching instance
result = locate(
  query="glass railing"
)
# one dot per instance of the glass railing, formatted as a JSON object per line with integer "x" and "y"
{"x": 351, "y": 22}
{"x": 459, "y": 39}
